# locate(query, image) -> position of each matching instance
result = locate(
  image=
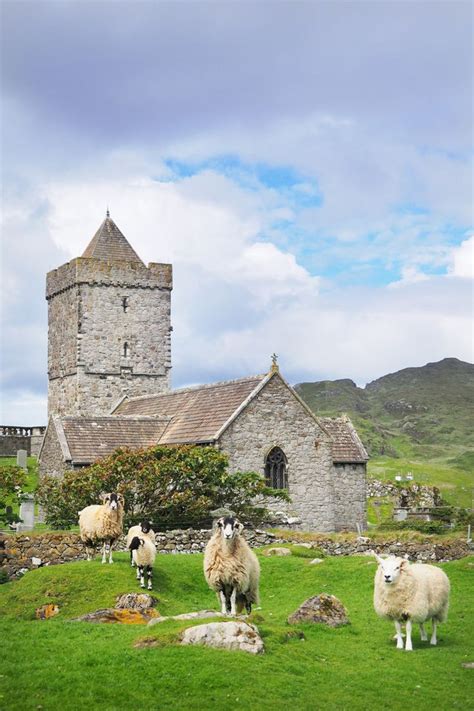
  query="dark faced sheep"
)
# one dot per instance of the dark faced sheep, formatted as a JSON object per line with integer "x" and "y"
{"x": 102, "y": 523}
{"x": 231, "y": 568}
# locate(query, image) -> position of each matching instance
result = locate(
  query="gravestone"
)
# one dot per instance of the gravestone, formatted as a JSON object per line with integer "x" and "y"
{"x": 21, "y": 459}
{"x": 27, "y": 513}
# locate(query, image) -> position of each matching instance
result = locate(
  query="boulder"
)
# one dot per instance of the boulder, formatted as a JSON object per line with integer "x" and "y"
{"x": 316, "y": 561}
{"x": 46, "y": 611}
{"x": 322, "y": 609}
{"x": 123, "y": 617}
{"x": 200, "y": 615}
{"x": 277, "y": 551}
{"x": 235, "y": 635}
{"x": 135, "y": 601}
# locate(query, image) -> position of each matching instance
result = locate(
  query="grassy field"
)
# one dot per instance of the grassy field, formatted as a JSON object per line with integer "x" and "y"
{"x": 58, "y": 664}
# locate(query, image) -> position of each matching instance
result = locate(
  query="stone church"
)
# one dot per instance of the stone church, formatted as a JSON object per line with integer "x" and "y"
{"x": 109, "y": 364}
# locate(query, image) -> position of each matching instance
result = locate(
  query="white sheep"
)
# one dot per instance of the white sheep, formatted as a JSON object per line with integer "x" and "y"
{"x": 144, "y": 553}
{"x": 410, "y": 593}
{"x": 231, "y": 569}
{"x": 102, "y": 523}
{"x": 143, "y": 529}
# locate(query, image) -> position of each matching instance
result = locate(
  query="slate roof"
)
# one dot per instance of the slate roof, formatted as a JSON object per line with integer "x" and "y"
{"x": 90, "y": 438}
{"x": 110, "y": 244}
{"x": 197, "y": 414}
{"x": 346, "y": 447}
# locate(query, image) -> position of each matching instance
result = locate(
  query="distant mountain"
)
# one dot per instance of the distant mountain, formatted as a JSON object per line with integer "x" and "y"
{"x": 428, "y": 411}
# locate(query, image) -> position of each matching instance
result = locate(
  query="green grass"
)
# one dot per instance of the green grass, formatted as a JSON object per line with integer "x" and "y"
{"x": 456, "y": 484}
{"x": 58, "y": 664}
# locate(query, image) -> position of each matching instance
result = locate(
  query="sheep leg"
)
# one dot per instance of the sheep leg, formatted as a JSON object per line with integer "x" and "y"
{"x": 142, "y": 578}
{"x": 398, "y": 634}
{"x": 111, "y": 545}
{"x": 104, "y": 554}
{"x": 423, "y": 635}
{"x": 233, "y": 597}
{"x": 433, "y": 639}
{"x": 223, "y": 600}
{"x": 132, "y": 562}
{"x": 150, "y": 577}
{"x": 138, "y": 572}
{"x": 408, "y": 644}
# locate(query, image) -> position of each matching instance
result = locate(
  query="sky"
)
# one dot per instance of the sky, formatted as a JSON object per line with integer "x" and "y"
{"x": 305, "y": 166}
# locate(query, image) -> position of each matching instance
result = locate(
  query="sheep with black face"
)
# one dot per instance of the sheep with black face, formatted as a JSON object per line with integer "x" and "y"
{"x": 102, "y": 523}
{"x": 143, "y": 529}
{"x": 231, "y": 569}
{"x": 143, "y": 551}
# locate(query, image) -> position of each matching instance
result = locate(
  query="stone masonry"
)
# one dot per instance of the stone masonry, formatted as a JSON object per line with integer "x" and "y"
{"x": 109, "y": 333}
{"x": 276, "y": 418}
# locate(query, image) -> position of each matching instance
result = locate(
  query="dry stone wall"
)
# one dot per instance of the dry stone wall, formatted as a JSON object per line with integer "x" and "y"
{"x": 20, "y": 553}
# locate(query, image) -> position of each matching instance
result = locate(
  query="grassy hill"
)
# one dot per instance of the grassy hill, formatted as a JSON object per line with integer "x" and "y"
{"x": 56, "y": 664}
{"x": 427, "y": 410}
{"x": 417, "y": 420}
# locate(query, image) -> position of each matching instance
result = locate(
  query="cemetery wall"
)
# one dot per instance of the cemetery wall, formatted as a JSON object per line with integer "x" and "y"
{"x": 20, "y": 553}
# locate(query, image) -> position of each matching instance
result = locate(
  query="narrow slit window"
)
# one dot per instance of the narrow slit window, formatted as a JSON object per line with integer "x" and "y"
{"x": 125, "y": 303}
{"x": 126, "y": 350}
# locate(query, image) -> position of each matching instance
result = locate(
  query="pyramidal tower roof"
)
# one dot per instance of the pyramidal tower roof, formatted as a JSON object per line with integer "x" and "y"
{"x": 110, "y": 244}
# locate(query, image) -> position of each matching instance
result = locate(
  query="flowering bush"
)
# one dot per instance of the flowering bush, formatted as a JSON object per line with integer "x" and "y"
{"x": 12, "y": 481}
{"x": 172, "y": 486}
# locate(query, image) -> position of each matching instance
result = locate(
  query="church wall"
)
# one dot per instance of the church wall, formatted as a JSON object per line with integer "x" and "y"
{"x": 52, "y": 460}
{"x": 105, "y": 328}
{"x": 350, "y": 496}
{"x": 276, "y": 418}
{"x": 89, "y": 371}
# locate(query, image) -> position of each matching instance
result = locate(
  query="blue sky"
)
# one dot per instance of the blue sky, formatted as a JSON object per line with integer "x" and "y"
{"x": 306, "y": 167}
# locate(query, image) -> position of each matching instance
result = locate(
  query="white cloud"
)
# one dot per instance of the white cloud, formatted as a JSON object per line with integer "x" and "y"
{"x": 463, "y": 259}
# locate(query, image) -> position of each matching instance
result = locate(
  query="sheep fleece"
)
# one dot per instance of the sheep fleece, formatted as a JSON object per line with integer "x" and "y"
{"x": 97, "y": 524}
{"x": 238, "y": 566}
{"x": 422, "y": 593}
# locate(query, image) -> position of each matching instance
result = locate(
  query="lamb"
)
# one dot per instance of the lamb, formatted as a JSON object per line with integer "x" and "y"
{"x": 410, "y": 593}
{"x": 144, "y": 552}
{"x": 231, "y": 569}
{"x": 102, "y": 523}
{"x": 143, "y": 529}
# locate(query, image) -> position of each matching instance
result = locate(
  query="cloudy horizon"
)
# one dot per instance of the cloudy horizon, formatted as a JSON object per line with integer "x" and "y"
{"x": 305, "y": 166}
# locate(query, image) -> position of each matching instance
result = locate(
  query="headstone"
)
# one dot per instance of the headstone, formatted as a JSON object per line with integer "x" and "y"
{"x": 27, "y": 513}
{"x": 21, "y": 459}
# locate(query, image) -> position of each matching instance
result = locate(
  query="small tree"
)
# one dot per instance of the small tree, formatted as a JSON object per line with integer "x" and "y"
{"x": 172, "y": 486}
{"x": 12, "y": 481}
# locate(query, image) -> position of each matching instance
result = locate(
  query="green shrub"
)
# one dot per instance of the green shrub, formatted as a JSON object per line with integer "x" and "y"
{"x": 303, "y": 552}
{"x": 414, "y": 524}
{"x": 174, "y": 487}
{"x": 12, "y": 483}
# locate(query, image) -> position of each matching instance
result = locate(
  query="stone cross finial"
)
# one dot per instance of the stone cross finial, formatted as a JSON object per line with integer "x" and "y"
{"x": 274, "y": 368}
{"x": 107, "y": 214}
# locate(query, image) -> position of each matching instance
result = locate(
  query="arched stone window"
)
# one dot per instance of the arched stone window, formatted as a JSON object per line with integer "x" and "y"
{"x": 276, "y": 469}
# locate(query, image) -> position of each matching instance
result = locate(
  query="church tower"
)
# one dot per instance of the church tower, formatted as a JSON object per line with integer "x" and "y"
{"x": 108, "y": 327}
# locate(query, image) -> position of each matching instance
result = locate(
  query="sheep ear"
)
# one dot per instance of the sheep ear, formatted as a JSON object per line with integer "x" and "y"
{"x": 377, "y": 558}
{"x": 404, "y": 564}
{"x": 104, "y": 497}
{"x": 240, "y": 526}
{"x": 220, "y": 522}
{"x": 120, "y": 498}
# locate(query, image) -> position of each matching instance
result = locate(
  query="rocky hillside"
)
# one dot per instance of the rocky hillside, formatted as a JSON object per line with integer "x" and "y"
{"x": 426, "y": 411}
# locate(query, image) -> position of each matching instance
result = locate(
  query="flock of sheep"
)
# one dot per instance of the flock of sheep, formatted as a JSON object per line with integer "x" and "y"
{"x": 404, "y": 593}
